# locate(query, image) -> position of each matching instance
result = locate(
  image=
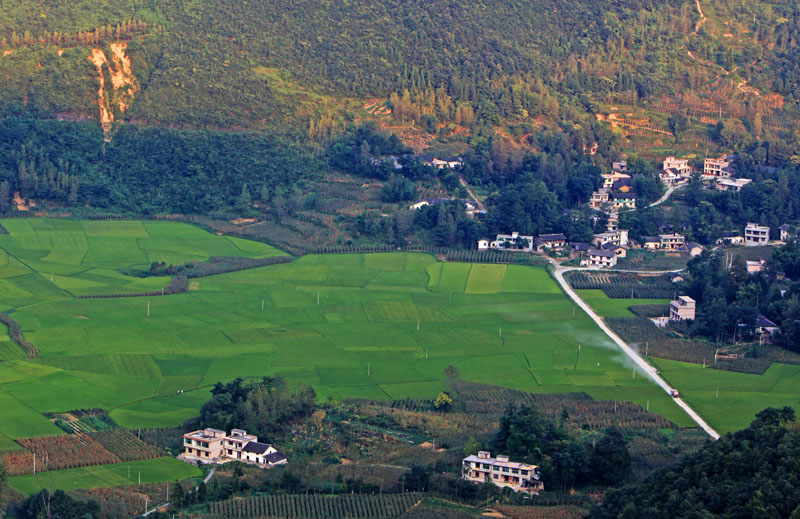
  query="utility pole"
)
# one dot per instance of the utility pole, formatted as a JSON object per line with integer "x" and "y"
{"x": 262, "y": 304}
{"x": 148, "y": 308}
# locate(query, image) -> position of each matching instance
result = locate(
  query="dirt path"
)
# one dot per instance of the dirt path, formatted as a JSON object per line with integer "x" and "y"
{"x": 702, "y": 19}
{"x": 480, "y": 204}
{"x": 640, "y": 362}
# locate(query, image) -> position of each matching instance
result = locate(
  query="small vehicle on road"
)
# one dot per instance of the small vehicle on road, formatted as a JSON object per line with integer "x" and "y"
{"x": 674, "y": 393}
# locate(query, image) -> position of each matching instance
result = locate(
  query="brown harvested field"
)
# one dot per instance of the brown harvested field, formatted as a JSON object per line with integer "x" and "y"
{"x": 56, "y": 453}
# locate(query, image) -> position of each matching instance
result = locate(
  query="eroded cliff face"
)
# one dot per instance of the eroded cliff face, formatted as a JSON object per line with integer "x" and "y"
{"x": 123, "y": 88}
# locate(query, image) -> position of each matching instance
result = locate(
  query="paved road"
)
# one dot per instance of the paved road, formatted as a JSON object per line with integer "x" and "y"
{"x": 666, "y": 195}
{"x": 641, "y": 363}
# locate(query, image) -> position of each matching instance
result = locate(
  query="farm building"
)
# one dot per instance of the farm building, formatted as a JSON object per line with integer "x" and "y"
{"x": 731, "y": 238}
{"x": 731, "y": 184}
{"x": 691, "y": 248}
{"x": 511, "y": 242}
{"x": 755, "y": 234}
{"x": 682, "y": 309}
{"x": 755, "y": 266}
{"x": 216, "y": 446}
{"x": 551, "y": 241}
{"x": 599, "y": 258}
{"x": 519, "y": 477}
{"x": 765, "y": 327}
{"x": 680, "y": 165}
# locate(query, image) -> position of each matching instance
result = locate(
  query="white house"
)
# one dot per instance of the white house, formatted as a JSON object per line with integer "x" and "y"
{"x": 731, "y": 184}
{"x": 551, "y": 241}
{"x": 680, "y": 165}
{"x": 599, "y": 258}
{"x": 671, "y": 241}
{"x": 717, "y": 168}
{"x": 765, "y": 327}
{"x": 618, "y": 237}
{"x": 215, "y": 446}
{"x": 511, "y": 242}
{"x": 519, "y": 477}
{"x": 672, "y": 177}
{"x": 755, "y": 234}
{"x": 614, "y": 176}
{"x": 731, "y": 238}
{"x": 786, "y": 232}
{"x": 624, "y": 201}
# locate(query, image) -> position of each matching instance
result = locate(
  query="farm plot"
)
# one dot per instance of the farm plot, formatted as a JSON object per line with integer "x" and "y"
{"x": 607, "y": 307}
{"x": 56, "y": 453}
{"x": 315, "y": 506}
{"x": 151, "y": 471}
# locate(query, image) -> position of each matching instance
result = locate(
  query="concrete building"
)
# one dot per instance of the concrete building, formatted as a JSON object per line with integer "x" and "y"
{"x": 731, "y": 238}
{"x": 786, "y": 232}
{"x": 731, "y": 184}
{"x": 510, "y": 242}
{"x": 755, "y": 234}
{"x": 680, "y": 165}
{"x": 618, "y": 237}
{"x": 600, "y": 198}
{"x": 717, "y": 168}
{"x": 620, "y": 165}
{"x": 215, "y": 446}
{"x": 599, "y": 258}
{"x": 683, "y": 309}
{"x": 610, "y": 178}
{"x": 551, "y": 241}
{"x": 671, "y": 242}
{"x": 519, "y": 477}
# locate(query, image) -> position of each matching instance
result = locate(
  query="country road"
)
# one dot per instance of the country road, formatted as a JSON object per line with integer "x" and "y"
{"x": 666, "y": 196}
{"x": 641, "y": 363}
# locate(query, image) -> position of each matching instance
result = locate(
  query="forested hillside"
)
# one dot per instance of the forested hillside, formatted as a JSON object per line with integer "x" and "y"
{"x": 538, "y": 97}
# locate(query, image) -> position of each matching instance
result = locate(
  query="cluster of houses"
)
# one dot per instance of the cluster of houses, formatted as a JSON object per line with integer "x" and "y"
{"x": 616, "y": 191}
{"x": 215, "y": 446}
{"x": 503, "y": 473}
{"x": 756, "y": 235}
{"x": 716, "y": 171}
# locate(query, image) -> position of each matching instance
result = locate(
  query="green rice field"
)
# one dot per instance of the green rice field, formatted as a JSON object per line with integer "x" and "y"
{"x": 382, "y": 326}
{"x": 740, "y": 395}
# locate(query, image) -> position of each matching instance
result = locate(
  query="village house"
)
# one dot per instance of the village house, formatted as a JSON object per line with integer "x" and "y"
{"x": 600, "y": 198}
{"x": 672, "y": 177}
{"x": 677, "y": 278}
{"x": 618, "y": 237}
{"x": 786, "y": 232}
{"x": 621, "y": 252}
{"x": 718, "y": 168}
{"x": 731, "y": 184}
{"x": 651, "y": 242}
{"x": 680, "y": 165}
{"x": 551, "y": 242}
{"x": 620, "y": 165}
{"x": 755, "y": 266}
{"x": 682, "y": 309}
{"x": 765, "y": 327}
{"x": 511, "y": 242}
{"x": 692, "y": 249}
{"x": 671, "y": 242}
{"x": 215, "y": 446}
{"x": 731, "y": 238}
{"x": 755, "y": 234}
{"x": 610, "y": 178}
{"x": 519, "y": 477}
{"x": 599, "y": 258}
{"x": 624, "y": 201}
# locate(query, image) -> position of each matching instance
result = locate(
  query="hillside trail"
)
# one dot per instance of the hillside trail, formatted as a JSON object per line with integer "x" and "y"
{"x": 639, "y": 361}
{"x": 472, "y": 195}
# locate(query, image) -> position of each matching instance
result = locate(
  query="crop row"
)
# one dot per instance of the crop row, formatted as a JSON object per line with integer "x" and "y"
{"x": 125, "y": 445}
{"x": 315, "y": 505}
{"x": 624, "y": 286}
{"x": 56, "y": 453}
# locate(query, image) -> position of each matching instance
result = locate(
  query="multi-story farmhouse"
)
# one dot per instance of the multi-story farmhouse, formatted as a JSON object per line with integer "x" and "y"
{"x": 519, "y": 477}
{"x": 215, "y": 446}
{"x": 755, "y": 234}
{"x": 682, "y": 309}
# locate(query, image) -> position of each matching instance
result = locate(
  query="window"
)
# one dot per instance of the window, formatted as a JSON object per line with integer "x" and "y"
{"x": 495, "y": 476}
{"x": 514, "y": 471}
{"x": 187, "y": 441}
